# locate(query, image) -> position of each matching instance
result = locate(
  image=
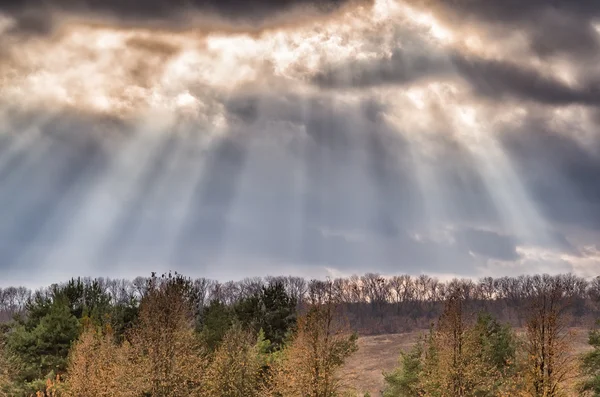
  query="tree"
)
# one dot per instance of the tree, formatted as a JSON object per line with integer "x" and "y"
{"x": 164, "y": 342}
{"x": 455, "y": 364}
{"x": 236, "y": 369}
{"x": 85, "y": 298}
{"x": 123, "y": 317}
{"x": 272, "y": 310}
{"x": 98, "y": 366}
{"x": 405, "y": 380}
{"x": 497, "y": 341}
{"x": 548, "y": 366}
{"x": 41, "y": 350}
{"x": 591, "y": 366}
{"x": 457, "y": 358}
{"x": 217, "y": 319}
{"x": 319, "y": 348}
{"x": 4, "y": 365}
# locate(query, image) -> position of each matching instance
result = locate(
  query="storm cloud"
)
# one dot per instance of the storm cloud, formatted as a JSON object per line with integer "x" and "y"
{"x": 490, "y": 78}
{"x": 563, "y": 26}
{"x": 39, "y": 16}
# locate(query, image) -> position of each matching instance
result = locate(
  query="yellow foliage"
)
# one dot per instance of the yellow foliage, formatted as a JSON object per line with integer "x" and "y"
{"x": 237, "y": 367}
{"x": 100, "y": 367}
{"x": 168, "y": 352}
{"x": 309, "y": 366}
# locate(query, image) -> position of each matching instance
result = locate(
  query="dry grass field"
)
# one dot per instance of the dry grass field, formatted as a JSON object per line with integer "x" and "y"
{"x": 377, "y": 354}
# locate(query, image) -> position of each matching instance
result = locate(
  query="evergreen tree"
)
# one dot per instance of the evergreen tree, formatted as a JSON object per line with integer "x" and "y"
{"x": 405, "y": 380}
{"x": 40, "y": 350}
{"x": 123, "y": 317}
{"x": 4, "y": 363}
{"x": 497, "y": 341}
{"x": 591, "y": 366}
{"x": 279, "y": 314}
{"x": 217, "y": 319}
{"x": 271, "y": 310}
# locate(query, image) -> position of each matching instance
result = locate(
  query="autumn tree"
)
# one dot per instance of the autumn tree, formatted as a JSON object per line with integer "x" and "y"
{"x": 237, "y": 368}
{"x": 455, "y": 364}
{"x": 457, "y": 358}
{"x": 4, "y": 365}
{"x": 319, "y": 348}
{"x": 164, "y": 342}
{"x": 548, "y": 364}
{"x": 98, "y": 366}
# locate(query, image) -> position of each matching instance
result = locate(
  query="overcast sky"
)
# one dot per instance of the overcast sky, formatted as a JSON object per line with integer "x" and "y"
{"x": 230, "y": 138}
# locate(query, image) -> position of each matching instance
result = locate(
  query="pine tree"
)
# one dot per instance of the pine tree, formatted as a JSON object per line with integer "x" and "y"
{"x": 498, "y": 343}
{"x": 405, "y": 380}
{"x": 271, "y": 310}
{"x": 39, "y": 346}
{"x": 591, "y": 366}
{"x": 279, "y": 315}
{"x": 4, "y": 366}
{"x": 217, "y": 319}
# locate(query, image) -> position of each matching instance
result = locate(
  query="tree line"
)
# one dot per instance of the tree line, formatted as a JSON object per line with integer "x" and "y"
{"x": 287, "y": 337}
{"x": 76, "y": 340}
{"x": 373, "y": 303}
{"x": 469, "y": 353}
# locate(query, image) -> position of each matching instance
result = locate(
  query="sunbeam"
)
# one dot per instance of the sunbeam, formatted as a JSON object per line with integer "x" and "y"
{"x": 518, "y": 213}
{"x": 379, "y": 133}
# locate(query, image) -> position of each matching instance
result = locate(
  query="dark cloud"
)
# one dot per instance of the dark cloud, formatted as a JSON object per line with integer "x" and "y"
{"x": 309, "y": 177}
{"x": 560, "y": 172}
{"x": 403, "y": 67}
{"x": 490, "y": 78}
{"x": 515, "y": 10}
{"x": 489, "y": 244}
{"x": 498, "y": 79}
{"x": 563, "y": 33}
{"x": 36, "y": 16}
{"x": 552, "y": 27}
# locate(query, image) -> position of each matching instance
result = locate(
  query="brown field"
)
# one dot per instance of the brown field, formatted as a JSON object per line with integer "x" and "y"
{"x": 377, "y": 354}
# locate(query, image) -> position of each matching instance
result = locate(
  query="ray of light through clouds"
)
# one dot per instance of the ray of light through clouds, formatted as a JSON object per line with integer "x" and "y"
{"x": 311, "y": 138}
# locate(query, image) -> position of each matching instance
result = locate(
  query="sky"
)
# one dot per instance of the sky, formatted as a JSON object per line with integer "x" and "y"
{"x": 230, "y": 138}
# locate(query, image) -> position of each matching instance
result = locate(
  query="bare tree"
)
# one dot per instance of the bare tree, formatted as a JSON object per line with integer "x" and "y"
{"x": 549, "y": 366}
